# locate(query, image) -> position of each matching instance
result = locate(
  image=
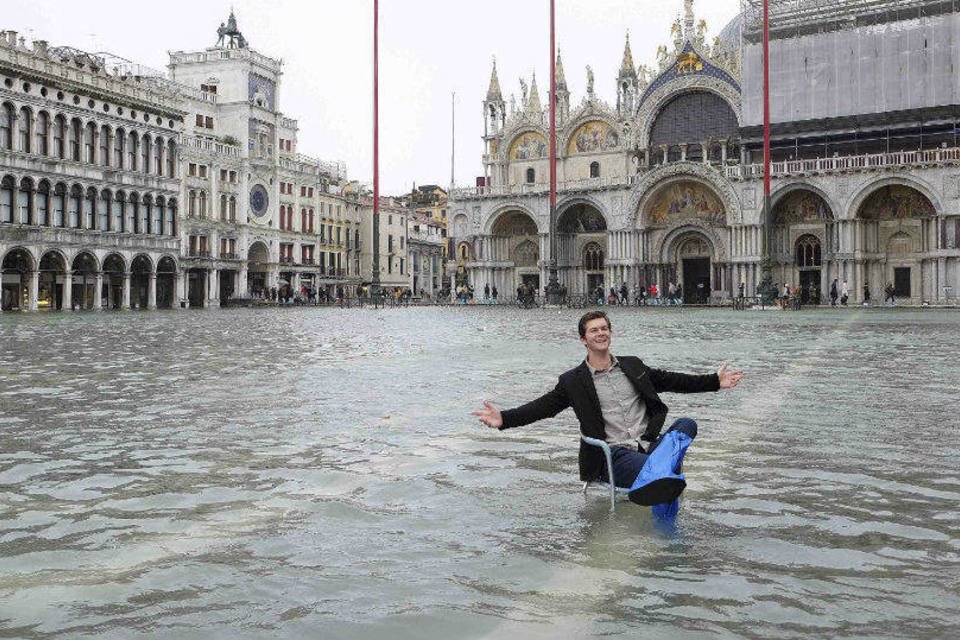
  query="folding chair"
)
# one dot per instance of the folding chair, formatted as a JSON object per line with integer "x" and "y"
{"x": 614, "y": 490}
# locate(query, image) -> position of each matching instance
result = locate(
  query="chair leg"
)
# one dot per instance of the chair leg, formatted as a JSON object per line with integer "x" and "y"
{"x": 585, "y": 485}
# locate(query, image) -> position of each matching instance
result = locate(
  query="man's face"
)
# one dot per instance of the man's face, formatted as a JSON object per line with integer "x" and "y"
{"x": 597, "y": 335}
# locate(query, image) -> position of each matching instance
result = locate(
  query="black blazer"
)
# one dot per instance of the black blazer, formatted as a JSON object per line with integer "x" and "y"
{"x": 576, "y": 389}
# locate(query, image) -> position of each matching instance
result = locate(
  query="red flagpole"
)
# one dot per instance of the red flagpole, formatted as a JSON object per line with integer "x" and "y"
{"x": 553, "y": 113}
{"x": 766, "y": 99}
{"x": 375, "y": 280}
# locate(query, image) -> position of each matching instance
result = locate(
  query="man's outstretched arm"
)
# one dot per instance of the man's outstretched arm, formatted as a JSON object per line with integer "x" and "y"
{"x": 686, "y": 383}
{"x": 546, "y": 406}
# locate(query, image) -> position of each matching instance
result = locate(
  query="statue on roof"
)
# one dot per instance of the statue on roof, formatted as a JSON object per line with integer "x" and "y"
{"x": 230, "y": 30}
{"x": 589, "y": 82}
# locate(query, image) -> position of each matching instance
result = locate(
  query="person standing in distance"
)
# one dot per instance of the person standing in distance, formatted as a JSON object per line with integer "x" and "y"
{"x": 616, "y": 399}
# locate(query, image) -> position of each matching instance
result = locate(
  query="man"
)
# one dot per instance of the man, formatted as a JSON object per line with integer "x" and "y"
{"x": 834, "y": 294}
{"x": 616, "y": 399}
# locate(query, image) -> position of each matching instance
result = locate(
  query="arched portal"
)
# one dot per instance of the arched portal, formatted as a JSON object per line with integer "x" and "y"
{"x": 579, "y": 226}
{"x": 258, "y": 259}
{"x": 53, "y": 273}
{"x": 84, "y": 281}
{"x": 140, "y": 269}
{"x": 893, "y": 219}
{"x": 166, "y": 282}
{"x": 516, "y": 242}
{"x": 801, "y": 232}
{"x": 114, "y": 270}
{"x": 17, "y": 266}
{"x": 692, "y": 259}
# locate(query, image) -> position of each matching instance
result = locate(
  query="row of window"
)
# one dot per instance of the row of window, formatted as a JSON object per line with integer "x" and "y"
{"x": 85, "y": 142}
{"x": 286, "y": 145}
{"x": 76, "y": 208}
{"x": 91, "y": 103}
{"x": 329, "y": 262}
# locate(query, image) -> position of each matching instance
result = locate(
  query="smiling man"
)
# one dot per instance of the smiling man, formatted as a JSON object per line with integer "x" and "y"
{"x": 616, "y": 399}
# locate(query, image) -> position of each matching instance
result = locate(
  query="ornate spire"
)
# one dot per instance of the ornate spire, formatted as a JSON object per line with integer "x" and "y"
{"x": 560, "y": 79}
{"x": 493, "y": 92}
{"x": 688, "y": 21}
{"x": 627, "y": 65}
{"x": 533, "y": 104}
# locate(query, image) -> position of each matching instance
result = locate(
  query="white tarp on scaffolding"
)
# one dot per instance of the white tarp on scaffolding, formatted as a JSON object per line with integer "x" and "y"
{"x": 891, "y": 66}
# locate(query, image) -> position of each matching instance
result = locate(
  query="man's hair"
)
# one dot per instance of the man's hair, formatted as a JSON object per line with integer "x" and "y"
{"x": 587, "y": 317}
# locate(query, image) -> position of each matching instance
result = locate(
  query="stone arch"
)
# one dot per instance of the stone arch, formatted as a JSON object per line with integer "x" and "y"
{"x": 652, "y": 103}
{"x": 114, "y": 269}
{"x": 506, "y": 208}
{"x": 692, "y": 253}
{"x": 524, "y": 144}
{"x": 581, "y": 214}
{"x": 460, "y": 225}
{"x": 654, "y": 179}
{"x": 17, "y": 258}
{"x": 85, "y": 261}
{"x": 580, "y": 137}
{"x": 166, "y": 281}
{"x": 808, "y": 251}
{"x": 661, "y": 250}
{"x": 17, "y": 265}
{"x": 681, "y": 198}
{"x": 52, "y": 279}
{"x": 777, "y": 197}
{"x": 895, "y": 198}
{"x": 141, "y": 268}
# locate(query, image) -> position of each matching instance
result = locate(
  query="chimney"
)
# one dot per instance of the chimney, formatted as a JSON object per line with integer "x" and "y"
{"x": 40, "y": 47}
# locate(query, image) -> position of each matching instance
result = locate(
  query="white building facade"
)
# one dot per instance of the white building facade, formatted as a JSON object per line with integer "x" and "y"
{"x": 123, "y": 187}
{"x": 665, "y": 186}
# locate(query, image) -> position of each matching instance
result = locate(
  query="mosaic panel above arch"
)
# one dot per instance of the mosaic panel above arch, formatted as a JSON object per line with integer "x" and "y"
{"x": 528, "y": 146}
{"x": 525, "y": 254}
{"x": 895, "y": 202}
{"x": 514, "y": 223}
{"x": 581, "y": 219}
{"x": 801, "y": 206}
{"x": 685, "y": 199}
{"x": 592, "y": 136}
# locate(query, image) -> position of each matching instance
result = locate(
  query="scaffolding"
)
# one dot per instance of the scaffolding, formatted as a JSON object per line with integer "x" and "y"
{"x": 793, "y": 18}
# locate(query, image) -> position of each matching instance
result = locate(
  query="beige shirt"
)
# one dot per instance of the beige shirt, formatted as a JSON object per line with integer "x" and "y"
{"x": 624, "y": 411}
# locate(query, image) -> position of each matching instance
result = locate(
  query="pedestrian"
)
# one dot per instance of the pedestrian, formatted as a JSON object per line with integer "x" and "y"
{"x": 493, "y": 292}
{"x": 615, "y": 399}
{"x": 866, "y": 294}
{"x": 844, "y": 294}
{"x": 740, "y": 297}
{"x": 624, "y": 293}
{"x": 889, "y": 293}
{"x": 834, "y": 294}
{"x": 486, "y": 292}
{"x": 612, "y": 298}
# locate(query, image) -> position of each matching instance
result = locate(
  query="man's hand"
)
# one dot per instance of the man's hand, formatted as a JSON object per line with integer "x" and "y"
{"x": 728, "y": 379}
{"x": 489, "y": 416}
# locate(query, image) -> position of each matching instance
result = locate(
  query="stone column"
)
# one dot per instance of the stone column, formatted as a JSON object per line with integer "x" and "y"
{"x": 242, "y": 282}
{"x": 683, "y": 151}
{"x": 125, "y": 300}
{"x": 941, "y": 280}
{"x": 98, "y": 293}
{"x": 33, "y": 290}
{"x": 664, "y": 150}
{"x": 723, "y": 151}
{"x": 152, "y": 292}
{"x": 705, "y": 145}
{"x": 205, "y": 274}
{"x": 67, "y": 301}
{"x": 179, "y": 293}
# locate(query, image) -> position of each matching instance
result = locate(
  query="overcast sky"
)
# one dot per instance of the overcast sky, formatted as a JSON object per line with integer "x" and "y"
{"x": 428, "y": 49}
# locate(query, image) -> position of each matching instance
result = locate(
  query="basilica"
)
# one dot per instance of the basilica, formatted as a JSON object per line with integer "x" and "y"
{"x": 664, "y": 184}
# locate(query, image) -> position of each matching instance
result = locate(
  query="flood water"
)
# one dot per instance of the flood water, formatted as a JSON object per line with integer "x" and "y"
{"x": 313, "y": 473}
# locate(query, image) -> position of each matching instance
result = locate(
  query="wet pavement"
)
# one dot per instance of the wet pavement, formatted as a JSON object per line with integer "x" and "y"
{"x": 313, "y": 472}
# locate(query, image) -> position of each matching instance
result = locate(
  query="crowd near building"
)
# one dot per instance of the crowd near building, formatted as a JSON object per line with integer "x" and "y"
{"x": 664, "y": 185}
{"x": 123, "y": 187}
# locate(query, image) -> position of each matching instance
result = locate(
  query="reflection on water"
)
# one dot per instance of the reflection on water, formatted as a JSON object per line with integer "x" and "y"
{"x": 313, "y": 473}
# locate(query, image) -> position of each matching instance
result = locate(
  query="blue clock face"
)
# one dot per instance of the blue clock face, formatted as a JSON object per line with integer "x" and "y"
{"x": 259, "y": 200}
